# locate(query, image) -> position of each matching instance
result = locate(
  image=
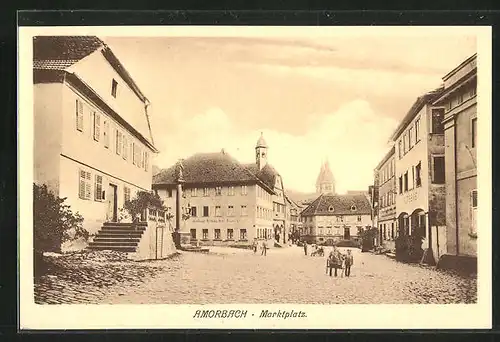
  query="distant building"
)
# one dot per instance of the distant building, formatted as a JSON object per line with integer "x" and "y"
{"x": 420, "y": 173}
{"x": 230, "y": 202}
{"x": 460, "y": 140}
{"x": 335, "y": 217}
{"x": 386, "y": 200}
{"x": 325, "y": 183}
{"x": 92, "y": 135}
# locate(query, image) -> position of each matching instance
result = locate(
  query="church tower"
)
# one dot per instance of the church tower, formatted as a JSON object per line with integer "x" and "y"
{"x": 261, "y": 152}
{"x": 325, "y": 183}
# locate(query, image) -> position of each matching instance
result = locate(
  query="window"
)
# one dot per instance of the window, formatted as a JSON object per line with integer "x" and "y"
{"x": 437, "y": 121}
{"x": 105, "y": 133}
{"x": 125, "y": 147}
{"x": 400, "y": 148}
{"x": 449, "y": 104}
{"x": 84, "y": 189}
{"x": 142, "y": 155}
{"x": 405, "y": 145}
{"x": 97, "y": 126}
{"x": 339, "y": 219}
{"x": 230, "y": 234}
{"x": 217, "y": 234}
{"x": 406, "y": 181}
{"x": 169, "y": 192}
{"x": 244, "y": 190}
{"x": 353, "y": 207}
{"x": 473, "y": 202}
{"x": 418, "y": 179}
{"x": 244, "y": 210}
{"x": 243, "y": 234}
{"x": 400, "y": 184}
{"x": 330, "y": 208}
{"x": 126, "y": 194}
{"x": 118, "y": 146}
{"x": 194, "y": 212}
{"x": 230, "y": 191}
{"x": 438, "y": 170}
{"x": 359, "y": 218}
{"x": 79, "y": 115}
{"x": 205, "y": 192}
{"x": 98, "y": 188}
{"x": 205, "y": 234}
{"x": 417, "y": 130}
{"x": 217, "y": 211}
{"x": 410, "y": 138}
{"x": 146, "y": 161}
{"x": 193, "y": 192}
{"x": 474, "y": 132}
{"x": 218, "y": 191}
{"x": 205, "y": 211}
{"x": 472, "y": 92}
{"x": 412, "y": 177}
{"x": 114, "y": 88}
{"x": 230, "y": 210}
{"x": 460, "y": 98}
{"x": 193, "y": 234}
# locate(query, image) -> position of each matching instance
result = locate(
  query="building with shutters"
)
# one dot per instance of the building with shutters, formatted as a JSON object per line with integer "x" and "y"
{"x": 420, "y": 173}
{"x": 92, "y": 137}
{"x": 229, "y": 202}
{"x": 460, "y": 137}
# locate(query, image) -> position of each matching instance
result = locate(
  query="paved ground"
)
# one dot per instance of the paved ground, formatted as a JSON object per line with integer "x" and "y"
{"x": 285, "y": 275}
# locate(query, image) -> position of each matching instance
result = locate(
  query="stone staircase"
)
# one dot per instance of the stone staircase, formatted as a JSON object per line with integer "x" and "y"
{"x": 119, "y": 237}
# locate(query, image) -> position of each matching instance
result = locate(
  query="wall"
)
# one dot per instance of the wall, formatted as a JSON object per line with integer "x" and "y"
{"x": 47, "y": 134}
{"x": 415, "y": 197}
{"x": 82, "y": 147}
{"x": 156, "y": 242}
{"x": 98, "y": 74}
{"x": 327, "y": 227}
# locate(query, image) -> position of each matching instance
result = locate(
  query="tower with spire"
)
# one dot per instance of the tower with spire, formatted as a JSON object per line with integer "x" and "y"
{"x": 261, "y": 152}
{"x": 325, "y": 183}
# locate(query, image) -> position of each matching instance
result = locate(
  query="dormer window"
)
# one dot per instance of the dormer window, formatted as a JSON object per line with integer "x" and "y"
{"x": 114, "y": 88}
{"x": 330, "y": 209}
{"x": 353, "y": 207}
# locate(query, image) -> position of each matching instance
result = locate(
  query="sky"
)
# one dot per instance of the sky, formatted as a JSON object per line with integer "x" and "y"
{"x": 313, "y": 98}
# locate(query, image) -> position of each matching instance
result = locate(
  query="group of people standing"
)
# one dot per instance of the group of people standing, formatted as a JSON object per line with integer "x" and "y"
{"x": 263, "y": 247}
{"x": 336, "y": 260}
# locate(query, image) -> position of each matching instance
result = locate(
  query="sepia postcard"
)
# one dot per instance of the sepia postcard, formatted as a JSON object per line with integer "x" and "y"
{"x": 255, "y": 177}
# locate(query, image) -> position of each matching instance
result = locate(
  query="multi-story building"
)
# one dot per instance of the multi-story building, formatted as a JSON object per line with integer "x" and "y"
{"x": 229, "y": 202}
{"x": 386, "y": 200}
{"x": 293, "y": 215}
{"x": 420, "y": 173}
{"x": 92, "y": 136}
{"x": 460, "y": 136}
{"x": 330, "y": 218}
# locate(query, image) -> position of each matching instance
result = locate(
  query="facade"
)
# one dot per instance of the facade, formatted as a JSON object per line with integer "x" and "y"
{"x": 460, "y": 136}
{"x": 293, "y": 217}
{"x": 92, "y": 137}
{"x": 325, "y": 183}
{"x": 420, "y": 173}
{"x": 386, "y": 201}
{"x": 229, "y": 202}
{"x": 331, "y": 218}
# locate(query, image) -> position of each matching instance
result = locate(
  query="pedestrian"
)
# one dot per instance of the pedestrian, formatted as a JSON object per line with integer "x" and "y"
{"x": 264, "y": 248}
{"x": 305, "y": 248}
{"x": 254, "y": 246}
{"x": 334, "y": 260}
{"x": 349, "y": 261}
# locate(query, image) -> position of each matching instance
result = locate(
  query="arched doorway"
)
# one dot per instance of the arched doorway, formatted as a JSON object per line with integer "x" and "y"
{"x": 403, "y": 224}
{"x": 277, "y": 232}
{"x": 418, "y": 222}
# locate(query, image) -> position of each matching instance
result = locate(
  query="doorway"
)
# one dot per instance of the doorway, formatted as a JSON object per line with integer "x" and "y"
{"x": 347, "y": 233}
{"x": 112, "y": 203}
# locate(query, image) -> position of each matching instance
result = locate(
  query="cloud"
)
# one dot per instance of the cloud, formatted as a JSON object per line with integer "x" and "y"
{"x": 353, "y": 138}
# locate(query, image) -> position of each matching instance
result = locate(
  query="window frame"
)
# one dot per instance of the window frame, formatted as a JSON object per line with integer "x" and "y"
{"x": 473, "y": 132}
{"x": 433, "y": 164}
{"x": 114, "y": 88}
{"x": 87, "y": 185}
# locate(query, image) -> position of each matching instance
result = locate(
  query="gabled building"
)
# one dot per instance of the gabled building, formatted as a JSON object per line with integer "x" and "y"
{"x": 420, "y": 173}
{"x": 92, "y": 136}
{"x": 460, "y": 140}
{"x": 336, "y": 217}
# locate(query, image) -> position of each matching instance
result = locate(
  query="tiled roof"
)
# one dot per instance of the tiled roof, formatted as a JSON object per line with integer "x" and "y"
{"x": 53, "y": 64}
{"x": 341, "y": 205}
{"x": 64, "y": 48}
{"x": 212, "y": 168}
{"x": 267, "y": 175}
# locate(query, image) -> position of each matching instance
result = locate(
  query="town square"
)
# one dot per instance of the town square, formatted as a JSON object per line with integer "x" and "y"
{"x": 268, "y": 171}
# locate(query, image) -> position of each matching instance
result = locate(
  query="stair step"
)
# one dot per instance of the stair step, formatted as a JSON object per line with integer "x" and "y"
{"x": 124, "y": 224}
{"x": 121, "y": 231}
{"x": 116, "y": 248}
{"x": 124, "y": 228}
{"x": 115, "y": 239}
{"x": 119, "y": 236}
{"x": 113, "y": 243}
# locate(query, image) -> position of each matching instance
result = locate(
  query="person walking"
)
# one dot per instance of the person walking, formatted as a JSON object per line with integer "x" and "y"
{"x": 349, "y": 261}
{"x": 305, "y": 248}
{"x": 264, "y": 248}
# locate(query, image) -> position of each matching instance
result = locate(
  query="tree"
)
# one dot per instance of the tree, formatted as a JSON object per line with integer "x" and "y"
{"x": 53, "y": 221}
{"x": 142, "y": 201}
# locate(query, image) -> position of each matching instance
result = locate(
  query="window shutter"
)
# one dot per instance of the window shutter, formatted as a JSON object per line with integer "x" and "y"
{"x": 98, "y": 188}
{"x": 146, "y": 161}
{"x": 81, "y": 189}
{"x": 88, "y": 185}
{"x": 97, "y": 126}
{"x": 105, "y": 133}
{"x": 79, "y": 115}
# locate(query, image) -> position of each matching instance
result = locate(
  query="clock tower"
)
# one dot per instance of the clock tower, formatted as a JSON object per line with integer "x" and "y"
{"x": 261, "y": 152}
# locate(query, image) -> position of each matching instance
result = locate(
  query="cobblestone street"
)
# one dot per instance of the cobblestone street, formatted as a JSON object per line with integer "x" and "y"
{"x": 285, "y": 275}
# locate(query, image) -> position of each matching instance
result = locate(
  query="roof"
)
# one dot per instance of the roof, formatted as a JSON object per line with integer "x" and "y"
{"x": 325, "y": 175}
{"x": 460, "y": 66}
{"x": 419, "y": 103}
{"x": 267, "y": 174}
{"x": 341, "y": 205}
{"x": 209, "y": 168}
{"x": 261, "y": 142}
{"x": 389, "y": 153}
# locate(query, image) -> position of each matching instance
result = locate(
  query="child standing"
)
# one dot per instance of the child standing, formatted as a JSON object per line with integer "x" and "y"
{"x": 349, "y": 261}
